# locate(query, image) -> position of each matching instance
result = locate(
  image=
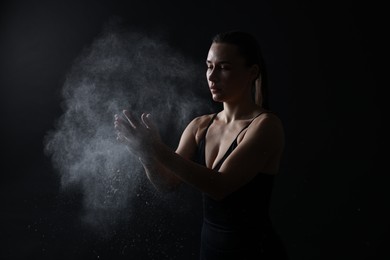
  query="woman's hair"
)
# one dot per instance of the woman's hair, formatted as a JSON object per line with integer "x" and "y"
{"x": 249, "y": 48}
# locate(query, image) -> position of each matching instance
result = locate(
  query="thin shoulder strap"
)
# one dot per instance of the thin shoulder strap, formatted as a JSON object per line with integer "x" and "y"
{"x": 211, "y": 121}
{"x": 234, "y": 143}
{"x": 200, "y": 157}
{"x": 250, "y": 123}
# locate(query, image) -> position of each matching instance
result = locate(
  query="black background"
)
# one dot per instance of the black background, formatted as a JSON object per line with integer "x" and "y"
{"x": 324, "y": 62}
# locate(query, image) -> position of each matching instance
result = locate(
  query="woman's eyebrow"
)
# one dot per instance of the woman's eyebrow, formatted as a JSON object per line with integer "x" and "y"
{"x": 220, "y": 62}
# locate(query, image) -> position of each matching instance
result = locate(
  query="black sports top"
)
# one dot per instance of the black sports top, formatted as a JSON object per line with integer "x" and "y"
{"x": 239, "y": 220}
{"x": 238, "y": 227}
{"x": 246, "y": 206}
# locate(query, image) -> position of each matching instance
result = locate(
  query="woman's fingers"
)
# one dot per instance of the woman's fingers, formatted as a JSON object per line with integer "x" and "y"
{"x": 130, "y": 127}
{"x": 120, "y": 137}
{"x": 121, "y": 124}
{"x": 131, "y": 119}
{"x": 147, "y": 122}
{"x": 138, "y": 134}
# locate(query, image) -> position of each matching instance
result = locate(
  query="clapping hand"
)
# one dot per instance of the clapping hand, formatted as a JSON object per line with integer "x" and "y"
{"x": 139, "y": 135}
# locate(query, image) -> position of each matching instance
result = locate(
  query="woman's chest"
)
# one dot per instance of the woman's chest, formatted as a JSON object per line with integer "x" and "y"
{"x": 219, "y": 140}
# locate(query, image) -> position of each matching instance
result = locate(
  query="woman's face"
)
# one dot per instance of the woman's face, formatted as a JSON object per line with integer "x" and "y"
{"x": 227, "y": 75}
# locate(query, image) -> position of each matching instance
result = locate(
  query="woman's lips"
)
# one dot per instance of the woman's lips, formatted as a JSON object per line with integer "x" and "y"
{"x": 214, "y": 89}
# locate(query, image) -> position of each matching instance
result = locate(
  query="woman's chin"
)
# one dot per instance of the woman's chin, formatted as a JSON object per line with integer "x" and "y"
{"x": 217, "y": 98}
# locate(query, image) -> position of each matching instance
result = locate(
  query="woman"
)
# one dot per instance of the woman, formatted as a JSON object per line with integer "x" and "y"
{"x": 230, "y": 156}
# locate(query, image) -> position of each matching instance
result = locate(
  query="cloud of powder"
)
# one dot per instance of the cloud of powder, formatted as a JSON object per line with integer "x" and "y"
{"x": 119, "y": 70}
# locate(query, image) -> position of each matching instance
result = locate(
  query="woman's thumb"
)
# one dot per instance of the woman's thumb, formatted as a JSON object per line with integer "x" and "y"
{"x": 147, "y": 121}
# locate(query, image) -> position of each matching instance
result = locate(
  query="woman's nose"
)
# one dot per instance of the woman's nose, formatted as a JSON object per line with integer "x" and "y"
{"x": 212, "y": 76}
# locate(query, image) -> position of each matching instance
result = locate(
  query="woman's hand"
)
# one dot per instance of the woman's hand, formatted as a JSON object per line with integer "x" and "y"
{"x": 139, "y": 135}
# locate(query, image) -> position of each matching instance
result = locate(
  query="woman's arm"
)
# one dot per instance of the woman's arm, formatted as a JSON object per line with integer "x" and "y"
{"x": 162, "y": 178}
{"x": 262, "y": 141}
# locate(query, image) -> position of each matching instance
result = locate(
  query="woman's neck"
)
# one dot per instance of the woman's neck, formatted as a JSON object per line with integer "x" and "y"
{"x": 245, "y": 109}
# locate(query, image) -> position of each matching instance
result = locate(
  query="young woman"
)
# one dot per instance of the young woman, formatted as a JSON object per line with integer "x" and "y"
{"x": 230, "y": 156}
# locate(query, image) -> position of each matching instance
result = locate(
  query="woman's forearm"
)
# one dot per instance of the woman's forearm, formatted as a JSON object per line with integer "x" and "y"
{"x": 196, "y": 175}
{"x": 161, "y": 178}
{"x": 164, "y": 167}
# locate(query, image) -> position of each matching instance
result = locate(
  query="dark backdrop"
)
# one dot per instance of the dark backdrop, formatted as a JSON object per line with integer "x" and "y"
{"x": 331, "y": 197}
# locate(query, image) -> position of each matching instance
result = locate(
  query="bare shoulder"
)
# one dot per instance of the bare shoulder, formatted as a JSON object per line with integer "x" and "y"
{"x": 267, "y": 120}
{"x": 202, "y": 120}
{"x": 267, "y": 125}
{"x": 191, "y": 135}
{"x": 199, "y": 124}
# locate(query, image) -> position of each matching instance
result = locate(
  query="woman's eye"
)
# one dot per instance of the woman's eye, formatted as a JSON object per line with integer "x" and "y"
{"x": 210, "y": 67}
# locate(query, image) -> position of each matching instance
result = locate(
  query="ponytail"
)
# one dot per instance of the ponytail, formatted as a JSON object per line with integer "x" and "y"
{"x": 260, "y": 91}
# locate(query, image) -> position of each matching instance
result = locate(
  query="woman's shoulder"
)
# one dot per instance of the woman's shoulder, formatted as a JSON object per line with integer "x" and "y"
{"x": 267, "y": 121}
{"x": 199, "y": 124}
{"x": 269, "y": 116}
{"x": 203, "y": 119}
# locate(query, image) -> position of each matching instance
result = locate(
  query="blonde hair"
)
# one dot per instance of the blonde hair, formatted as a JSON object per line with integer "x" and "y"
{"x": 258, "y": 95}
